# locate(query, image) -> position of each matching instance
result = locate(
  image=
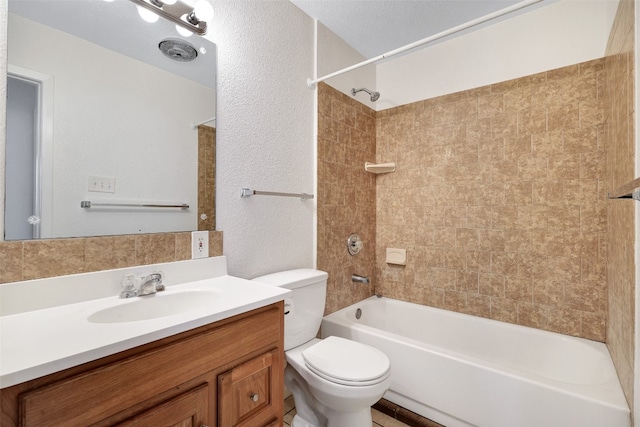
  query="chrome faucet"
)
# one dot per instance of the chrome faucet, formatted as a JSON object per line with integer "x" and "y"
{"x": 148, "y": 285}
{"x": 359, "y": 279}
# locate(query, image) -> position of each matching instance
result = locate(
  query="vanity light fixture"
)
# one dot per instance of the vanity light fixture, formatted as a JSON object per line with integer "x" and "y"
{"x": 191, "y": 18}
{"x": 147, "y": 15}
{"x": 182, "y": 31}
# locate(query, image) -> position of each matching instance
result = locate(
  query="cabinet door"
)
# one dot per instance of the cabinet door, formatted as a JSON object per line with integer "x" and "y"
{"x": 189, "y": 409}
{"x": 246, "y": 393}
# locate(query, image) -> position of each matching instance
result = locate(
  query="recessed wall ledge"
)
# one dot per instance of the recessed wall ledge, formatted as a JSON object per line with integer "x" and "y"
{"x": 627, "y": 191}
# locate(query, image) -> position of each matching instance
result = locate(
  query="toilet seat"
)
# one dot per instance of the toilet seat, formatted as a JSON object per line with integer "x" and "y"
{"x": 347, "y": 362}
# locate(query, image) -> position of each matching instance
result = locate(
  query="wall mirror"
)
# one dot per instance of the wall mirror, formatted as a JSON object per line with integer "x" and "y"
{"x": 97, "y": 112}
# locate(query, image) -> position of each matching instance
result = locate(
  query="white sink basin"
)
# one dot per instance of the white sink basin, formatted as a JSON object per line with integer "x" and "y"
{"x": 155, "y": 306}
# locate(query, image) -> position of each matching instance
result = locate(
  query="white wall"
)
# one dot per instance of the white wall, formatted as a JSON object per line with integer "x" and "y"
{"x": 3, "y": 106}
{"x": 265, "y": 134}
{"x": 114, "y": 117}
{"x": 335, "y": 54}
{"x": 20, "y": 148}
{"x": 553, "y": 36}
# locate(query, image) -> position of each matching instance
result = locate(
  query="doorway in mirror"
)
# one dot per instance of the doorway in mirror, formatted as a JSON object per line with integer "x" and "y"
{"x": 22, "y": 207}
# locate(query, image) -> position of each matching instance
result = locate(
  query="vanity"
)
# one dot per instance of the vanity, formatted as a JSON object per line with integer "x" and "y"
{"x": 168, "y": 360}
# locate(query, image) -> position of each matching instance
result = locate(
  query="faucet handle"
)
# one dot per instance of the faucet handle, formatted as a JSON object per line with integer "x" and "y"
{"x": 160, "y": 278}
{"x": 129, "y": 286}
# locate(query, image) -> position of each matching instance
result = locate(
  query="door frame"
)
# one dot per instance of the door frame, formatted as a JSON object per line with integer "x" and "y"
{"x": 43, "y": 191}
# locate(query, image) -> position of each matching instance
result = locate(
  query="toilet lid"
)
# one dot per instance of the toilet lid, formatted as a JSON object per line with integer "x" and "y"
{"x": 347, "y": 362}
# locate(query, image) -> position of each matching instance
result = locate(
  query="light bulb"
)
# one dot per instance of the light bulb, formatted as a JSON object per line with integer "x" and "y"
{"x": 183, "y": 31}
{"x": 147, "y": 15}
{"x": 203, "y": 10}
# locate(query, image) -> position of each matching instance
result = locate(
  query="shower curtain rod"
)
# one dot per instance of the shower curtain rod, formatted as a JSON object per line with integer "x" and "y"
{"x": 469, "y": 24}
{"x": 195, "y": 125}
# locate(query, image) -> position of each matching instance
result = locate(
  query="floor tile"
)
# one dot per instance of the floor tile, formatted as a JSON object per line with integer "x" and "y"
{"x": 379, "y": 419}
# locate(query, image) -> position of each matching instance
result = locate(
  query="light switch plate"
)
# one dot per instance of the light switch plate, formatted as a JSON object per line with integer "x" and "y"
{"x": 102, "y": 184}
{"x": 199, "y": 244}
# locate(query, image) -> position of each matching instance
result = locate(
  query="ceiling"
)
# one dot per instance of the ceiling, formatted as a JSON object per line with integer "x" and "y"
{"x": 374, "y": 27}
{"x": 116, "y": 25}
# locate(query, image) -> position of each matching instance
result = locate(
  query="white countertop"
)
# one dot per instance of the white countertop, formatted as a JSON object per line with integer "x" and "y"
{"x": 39, "y": 342}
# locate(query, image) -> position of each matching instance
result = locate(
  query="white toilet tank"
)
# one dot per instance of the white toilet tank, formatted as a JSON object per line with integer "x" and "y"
{"x": 304, "y": 308}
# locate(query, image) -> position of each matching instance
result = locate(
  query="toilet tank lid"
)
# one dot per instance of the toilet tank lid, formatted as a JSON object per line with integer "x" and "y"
{"x": 292, "y": 279}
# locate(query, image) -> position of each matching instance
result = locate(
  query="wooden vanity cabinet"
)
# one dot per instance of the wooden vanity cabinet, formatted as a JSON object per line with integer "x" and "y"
{"x": 229, "y": 373}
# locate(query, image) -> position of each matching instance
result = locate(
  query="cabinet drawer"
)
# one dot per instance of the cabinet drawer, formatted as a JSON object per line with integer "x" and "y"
{"x": 246, "y": 392}
{"x": 189, "y": 409}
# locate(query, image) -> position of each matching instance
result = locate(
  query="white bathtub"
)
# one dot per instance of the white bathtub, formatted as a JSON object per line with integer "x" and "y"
{"x": 462, "y": 370}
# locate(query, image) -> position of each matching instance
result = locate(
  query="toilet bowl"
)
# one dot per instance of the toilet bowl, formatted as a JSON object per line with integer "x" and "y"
{"x": 345, "y": 395}
{"x": 334, "y": 381}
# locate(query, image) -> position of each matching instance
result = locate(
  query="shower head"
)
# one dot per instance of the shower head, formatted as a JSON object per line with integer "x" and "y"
{"x": 374, "y": 95}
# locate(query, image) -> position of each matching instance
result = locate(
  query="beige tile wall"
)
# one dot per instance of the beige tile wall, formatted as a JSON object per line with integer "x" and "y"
{"x": 35, "y": 259}
{"x": 346, "y": 195}
{"x": 619, "y": 169}
{"x": 206, "y": 177}
{"x": 499, "y": 200}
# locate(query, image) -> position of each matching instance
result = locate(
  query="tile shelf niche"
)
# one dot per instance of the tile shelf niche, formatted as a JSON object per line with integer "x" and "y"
{"x": 379, "y": 167}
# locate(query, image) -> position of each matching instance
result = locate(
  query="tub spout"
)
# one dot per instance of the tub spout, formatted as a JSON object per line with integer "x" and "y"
{"x": 359, "y": 279}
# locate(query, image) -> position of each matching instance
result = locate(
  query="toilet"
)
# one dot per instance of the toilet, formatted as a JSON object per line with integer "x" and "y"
{"x": 334, "y": 381}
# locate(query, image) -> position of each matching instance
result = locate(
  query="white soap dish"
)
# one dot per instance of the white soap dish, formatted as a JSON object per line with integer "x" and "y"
{"x": 380, "y": 167}
{"x": 396, "y": 256}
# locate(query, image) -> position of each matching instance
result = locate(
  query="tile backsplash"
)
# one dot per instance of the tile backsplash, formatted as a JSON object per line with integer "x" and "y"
{"x": 35, "y": 259}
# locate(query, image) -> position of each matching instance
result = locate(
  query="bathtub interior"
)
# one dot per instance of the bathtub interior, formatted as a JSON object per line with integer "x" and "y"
{"x": 546, "y": 354}
{"x": 453, "y": 349}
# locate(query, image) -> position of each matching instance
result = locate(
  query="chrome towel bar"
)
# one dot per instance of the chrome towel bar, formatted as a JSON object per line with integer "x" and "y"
{"x": 628, "y": 191}
{"x": 247, "y": 192}
{"x": 88, "y": 204}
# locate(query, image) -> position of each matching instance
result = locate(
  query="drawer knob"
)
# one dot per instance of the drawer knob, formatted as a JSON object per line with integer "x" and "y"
{"x": 254, "y": 397}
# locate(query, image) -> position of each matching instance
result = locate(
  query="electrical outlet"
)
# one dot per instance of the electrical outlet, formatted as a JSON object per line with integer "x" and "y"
{"x": 102, "y": 184}
{"x": 199, "y": 244}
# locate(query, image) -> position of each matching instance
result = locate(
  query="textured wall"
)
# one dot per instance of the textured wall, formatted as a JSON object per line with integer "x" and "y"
{"x": 499, "y": 200}
{"x": 346, "y": 195}
{"x": 265, "y": 134}
{"x": 619, "y": 169}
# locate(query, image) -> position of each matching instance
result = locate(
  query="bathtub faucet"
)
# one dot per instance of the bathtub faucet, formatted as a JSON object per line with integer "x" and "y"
{"x": 359, "y": 279}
